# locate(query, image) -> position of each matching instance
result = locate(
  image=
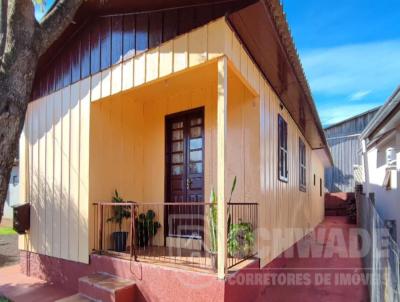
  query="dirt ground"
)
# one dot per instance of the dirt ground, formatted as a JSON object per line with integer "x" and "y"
{"x": 9, "y": 254}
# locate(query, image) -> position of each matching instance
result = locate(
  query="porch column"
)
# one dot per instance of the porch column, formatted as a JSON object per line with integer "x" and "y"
{"x": 222, "y": 103}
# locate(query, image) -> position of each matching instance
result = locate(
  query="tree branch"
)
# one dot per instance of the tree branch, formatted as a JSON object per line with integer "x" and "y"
{"x": 56, "y": 21}
{"x": 3, "y": 25}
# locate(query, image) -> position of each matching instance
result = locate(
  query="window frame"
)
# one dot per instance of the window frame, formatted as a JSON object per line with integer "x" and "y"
{"x": 302, "y": 166}
{"x": 283, "y": 173}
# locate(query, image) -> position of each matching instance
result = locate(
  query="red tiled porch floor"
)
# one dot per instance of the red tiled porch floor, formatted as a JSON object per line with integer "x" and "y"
{"x": 331, "y": 267}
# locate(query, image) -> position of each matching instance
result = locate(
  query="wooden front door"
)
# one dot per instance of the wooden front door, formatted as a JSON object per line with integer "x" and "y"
{"x": 185, "y": 173}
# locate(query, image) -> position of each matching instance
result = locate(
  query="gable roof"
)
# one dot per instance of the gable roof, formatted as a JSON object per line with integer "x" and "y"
{"x": 262, "y": 27}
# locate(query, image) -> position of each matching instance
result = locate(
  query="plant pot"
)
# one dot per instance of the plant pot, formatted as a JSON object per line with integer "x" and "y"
{"x": 119, "y": 241}
{"x": 214, "y": 261}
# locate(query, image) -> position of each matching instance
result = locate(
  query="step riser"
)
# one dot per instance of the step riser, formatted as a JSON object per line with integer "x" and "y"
{"x": 98, "y": 293}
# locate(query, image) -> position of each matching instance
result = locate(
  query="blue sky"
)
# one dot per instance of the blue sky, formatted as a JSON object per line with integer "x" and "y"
{"x": 350, "y": 51}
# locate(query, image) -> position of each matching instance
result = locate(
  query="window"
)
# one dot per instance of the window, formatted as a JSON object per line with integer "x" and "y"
{"x": 302, "y": 165}
{"x": 282, "y": 149}
{"x": 15, "y": 180}
{"x": 314, "y": 180}
{"x": 320, "y": 187}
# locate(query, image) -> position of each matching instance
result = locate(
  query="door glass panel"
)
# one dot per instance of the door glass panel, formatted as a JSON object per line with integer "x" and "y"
{"x": 196, "y": 143}
{"x": 177, "y": 158}
{"x": 177, "y": 134}
{"x": 196, "y": 168}
{"x": 177, "y": 125}
{"x": 195, "y": 155}
{"x": 195, "y": 131}
{"x": 177, "y": 146}
{"x": 177, "y": 170}
{"x": 195, "y": 121}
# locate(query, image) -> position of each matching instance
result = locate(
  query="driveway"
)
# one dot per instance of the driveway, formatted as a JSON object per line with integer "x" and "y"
{"x": 9, "y": 254}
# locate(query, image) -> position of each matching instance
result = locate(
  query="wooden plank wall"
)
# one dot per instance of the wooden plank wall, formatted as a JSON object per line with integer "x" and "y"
{"x": 61, "y": 131}
{"x": 106, "y": 41}
{"x": 55, "y": 173}
{"x": 282, "y": 206}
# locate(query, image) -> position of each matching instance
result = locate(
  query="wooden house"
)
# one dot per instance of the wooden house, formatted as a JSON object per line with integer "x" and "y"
{"x": 165, "y": 102}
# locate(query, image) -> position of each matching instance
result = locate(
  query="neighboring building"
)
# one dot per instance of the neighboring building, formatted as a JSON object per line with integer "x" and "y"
{"x": 344, "y": 143}
{"x": 12, "y": 196}
{"x": 381, "y": 160}
{"x": 164, "y": 106}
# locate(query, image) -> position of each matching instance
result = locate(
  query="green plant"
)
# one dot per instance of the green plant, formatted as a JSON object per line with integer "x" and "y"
{"x": 146, "y": 227}
{"x": 212, "y": 221}
{"x": 119, "y": 212}
{"x": 241, "y": 239}
{"x": 4, "y": 299}
{"x": 213, "y": 217}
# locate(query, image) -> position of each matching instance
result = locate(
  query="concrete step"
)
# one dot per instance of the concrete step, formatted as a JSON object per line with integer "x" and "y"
{"x": 107, "y": 288}
{"x": 75, "y": 298}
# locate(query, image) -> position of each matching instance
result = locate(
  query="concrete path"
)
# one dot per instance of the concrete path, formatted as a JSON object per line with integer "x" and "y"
{"x": 333, "y": 275}
{"x": 20, "y": 288}
{"x": 9, "y": 253}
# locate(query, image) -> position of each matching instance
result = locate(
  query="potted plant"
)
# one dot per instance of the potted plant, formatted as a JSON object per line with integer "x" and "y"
{"x": 241, "y": 240}
{"x": 146, "y": 228}
{"x": 119, "y": 214}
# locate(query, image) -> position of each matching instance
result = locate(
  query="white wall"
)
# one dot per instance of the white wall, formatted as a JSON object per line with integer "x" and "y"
{"x": 387, "y": 201}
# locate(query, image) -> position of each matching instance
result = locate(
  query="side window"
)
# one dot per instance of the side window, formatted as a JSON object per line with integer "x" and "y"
{"x": 282, "y": 150}
{"x": 302, "y": 166}
{"x": 320, "y": 187}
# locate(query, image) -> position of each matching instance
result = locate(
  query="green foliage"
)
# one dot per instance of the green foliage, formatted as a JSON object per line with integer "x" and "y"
{"x": 4, "y": 299}
{"x": 119, "y": 212}
{"x": 241, "y": 239}
{"x": 146, "y": 227}
{"x": 7, "y": 231}
{"x": 212, "y": 221}
{"x": 213, "y": 217}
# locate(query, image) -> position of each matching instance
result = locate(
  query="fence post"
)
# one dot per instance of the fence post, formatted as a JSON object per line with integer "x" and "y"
{"x": 100, "y": 227}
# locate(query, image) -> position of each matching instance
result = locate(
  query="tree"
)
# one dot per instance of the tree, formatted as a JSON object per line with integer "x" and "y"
{"x": 22, "y": 41}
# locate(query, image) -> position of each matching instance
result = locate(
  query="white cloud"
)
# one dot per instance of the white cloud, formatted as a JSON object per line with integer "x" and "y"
{"x": 359, "y": 95}
{"x": 341, "y": 110}
{"x": 351, "y": 68}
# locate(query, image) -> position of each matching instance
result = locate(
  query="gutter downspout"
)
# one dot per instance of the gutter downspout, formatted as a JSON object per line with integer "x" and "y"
{"x": 365, "y": 165}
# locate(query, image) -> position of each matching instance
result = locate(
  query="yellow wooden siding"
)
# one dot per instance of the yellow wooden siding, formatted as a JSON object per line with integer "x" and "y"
{"x": 56, "y": 142}
{"x": 282, "y": 206}
{"x": 118, "y": 143}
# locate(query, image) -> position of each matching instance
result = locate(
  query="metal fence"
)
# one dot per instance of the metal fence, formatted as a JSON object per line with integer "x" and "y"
{"x": 381, "y": 257}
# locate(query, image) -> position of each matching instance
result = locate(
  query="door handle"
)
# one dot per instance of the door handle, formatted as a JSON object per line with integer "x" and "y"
{"x": 188, "y": 183}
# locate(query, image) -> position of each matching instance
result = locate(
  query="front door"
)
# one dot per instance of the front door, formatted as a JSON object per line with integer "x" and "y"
{"x": 185, "y": 173}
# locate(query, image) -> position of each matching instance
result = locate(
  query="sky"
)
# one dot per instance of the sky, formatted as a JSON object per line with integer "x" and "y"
{"x": 350, "y": 51}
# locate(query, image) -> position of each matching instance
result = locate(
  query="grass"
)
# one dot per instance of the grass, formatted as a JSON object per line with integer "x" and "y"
{"x": 4, "y": 299}
{"x": 6, "y": 231}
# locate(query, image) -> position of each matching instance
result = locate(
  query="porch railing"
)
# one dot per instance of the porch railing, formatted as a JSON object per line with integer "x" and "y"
{"x": 174, "y": 233}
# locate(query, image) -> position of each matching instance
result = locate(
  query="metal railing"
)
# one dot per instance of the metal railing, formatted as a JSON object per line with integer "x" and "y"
{"x": 381, "y": 261}
{"x": 242, "y": 237}
{"x": 174, "y": 233}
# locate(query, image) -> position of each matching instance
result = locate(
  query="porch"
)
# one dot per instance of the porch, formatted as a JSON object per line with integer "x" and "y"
{"x": 165, "y": 146}
{"x": 180, "y": 250}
